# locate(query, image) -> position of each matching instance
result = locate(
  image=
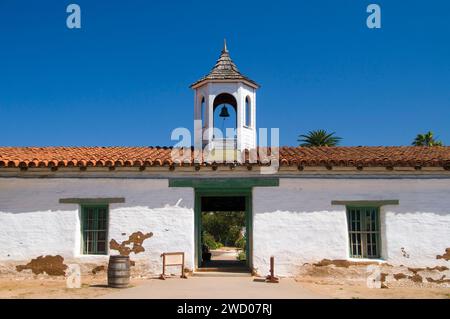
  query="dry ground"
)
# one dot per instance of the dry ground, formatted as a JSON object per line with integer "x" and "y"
{"x": 95, "y": 286}
{"x": 359, "y": 291}
{"x": 44, "y": 287}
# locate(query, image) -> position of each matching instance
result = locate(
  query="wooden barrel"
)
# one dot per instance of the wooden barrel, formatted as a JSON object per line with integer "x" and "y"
{"x": 119, "y": 271}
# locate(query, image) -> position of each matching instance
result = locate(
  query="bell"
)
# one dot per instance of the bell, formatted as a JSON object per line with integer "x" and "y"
{"x": 224, "y": 112}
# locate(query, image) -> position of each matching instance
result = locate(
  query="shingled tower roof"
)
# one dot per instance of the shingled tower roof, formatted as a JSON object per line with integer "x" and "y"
{"x": 225, "y": 69}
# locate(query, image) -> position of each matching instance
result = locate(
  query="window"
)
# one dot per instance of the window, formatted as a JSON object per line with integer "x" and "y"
{"x": 364, "y": 231}
{"x": 94, "y": 225}
{"x": 248, "y": 112}
{"x": 202, "y": 111}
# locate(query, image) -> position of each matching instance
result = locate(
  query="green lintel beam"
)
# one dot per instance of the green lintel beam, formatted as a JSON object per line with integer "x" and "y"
{"x": 108, "y": 200}
{"x": 223, "y": 182}
{"x": 362, "y": 203}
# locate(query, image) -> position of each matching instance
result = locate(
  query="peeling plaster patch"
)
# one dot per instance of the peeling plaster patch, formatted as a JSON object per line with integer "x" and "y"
{"x": 415, "y": 270}
{"x": 416, "y": 278}
{"x": 52, "y": 265}
{"x": 399, "y": 276}
{"x": 404, "y": 253}
{"x": 445, "y": 256}
{"x": 438, "y": 268}
{"x": 343, "y": 263}
{"x": 136, "y": 239}
{"x": 344, "y": 271}
{"x": 98, "y": 269}
{"x": 442, "y": 280}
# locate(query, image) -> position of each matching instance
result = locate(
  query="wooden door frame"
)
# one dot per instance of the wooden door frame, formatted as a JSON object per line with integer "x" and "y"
{"x": 230, "y": 192}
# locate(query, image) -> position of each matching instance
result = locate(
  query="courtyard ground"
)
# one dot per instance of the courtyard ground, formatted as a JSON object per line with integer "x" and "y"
{"x": 347, "y": 291}
{"x": 204, "y": 287}
{"x": 216, "y": 288}
{"x": 45, "y": 287}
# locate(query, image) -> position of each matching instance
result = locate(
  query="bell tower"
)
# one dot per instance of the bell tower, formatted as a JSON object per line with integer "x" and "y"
{"x": 225, "y": 108}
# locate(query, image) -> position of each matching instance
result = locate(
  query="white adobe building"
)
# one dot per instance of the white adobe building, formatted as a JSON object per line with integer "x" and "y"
{"x": 388, "y": 204}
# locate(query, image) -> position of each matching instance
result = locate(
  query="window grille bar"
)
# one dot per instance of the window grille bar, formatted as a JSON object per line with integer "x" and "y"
{"x": 94, "y": 221}
{"x": 364, "y": 232}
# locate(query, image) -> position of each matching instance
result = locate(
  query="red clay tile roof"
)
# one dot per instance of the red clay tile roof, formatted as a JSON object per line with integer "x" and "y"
{"x": 157, "y": 156}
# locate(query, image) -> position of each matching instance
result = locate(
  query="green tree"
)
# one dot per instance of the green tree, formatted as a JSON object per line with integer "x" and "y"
{"x": 426, "y": 140}
{"x": 319, "y": 138}
{"x": 224, "y": 227}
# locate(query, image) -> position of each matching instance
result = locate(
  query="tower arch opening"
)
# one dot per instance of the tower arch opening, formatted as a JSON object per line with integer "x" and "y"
{"x": 248, "y": 111}
{"x": 202, "y": 111}
{"x": 225, "y": 115}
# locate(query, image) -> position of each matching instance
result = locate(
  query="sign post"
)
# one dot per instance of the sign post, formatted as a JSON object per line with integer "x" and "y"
{"x": 172, "y": 259}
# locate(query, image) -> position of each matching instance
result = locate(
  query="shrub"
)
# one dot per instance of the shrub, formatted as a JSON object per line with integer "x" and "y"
{"x": 240, "y": 243}
{"x": 210, "y": 242}
{"x": 242, "y": 256}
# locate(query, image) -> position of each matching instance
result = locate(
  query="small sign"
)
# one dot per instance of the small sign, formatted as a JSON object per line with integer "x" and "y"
{"x": 172, "y": 259}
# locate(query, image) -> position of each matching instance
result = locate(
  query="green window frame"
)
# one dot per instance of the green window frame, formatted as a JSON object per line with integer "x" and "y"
{"x": 94, "y": 229}
{"x": 364, "y": 231}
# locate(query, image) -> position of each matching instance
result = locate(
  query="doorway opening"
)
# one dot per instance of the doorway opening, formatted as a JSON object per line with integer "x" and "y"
{"x": 224, "y": 233}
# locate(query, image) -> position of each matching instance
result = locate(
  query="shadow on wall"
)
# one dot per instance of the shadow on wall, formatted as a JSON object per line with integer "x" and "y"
{"x": 32, "y": 195}
{"x": 315, "y": 195}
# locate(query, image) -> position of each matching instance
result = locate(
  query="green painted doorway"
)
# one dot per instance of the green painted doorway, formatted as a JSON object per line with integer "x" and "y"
{"x": 223, "y": 200}
{"x": 228, "y": 187}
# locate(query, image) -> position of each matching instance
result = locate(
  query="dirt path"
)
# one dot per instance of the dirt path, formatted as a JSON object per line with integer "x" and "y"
{"x": 196, "y": 287}
{"x": 54, "y": 288}
{"x": 362, "y": 292}
{"x": 216, "y": 288}
{"x": 225, "y": 253}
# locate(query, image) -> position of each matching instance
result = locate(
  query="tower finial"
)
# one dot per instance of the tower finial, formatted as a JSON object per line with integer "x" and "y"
{"x": 225, "y": 45}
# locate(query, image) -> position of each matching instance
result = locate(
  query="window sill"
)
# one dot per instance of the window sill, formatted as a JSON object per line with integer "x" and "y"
{"x": 364, "y": 260}
{"x": 92, "y": 256}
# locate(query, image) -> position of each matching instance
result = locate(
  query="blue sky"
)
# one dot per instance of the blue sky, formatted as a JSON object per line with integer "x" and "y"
{"x": 123, "y": 79}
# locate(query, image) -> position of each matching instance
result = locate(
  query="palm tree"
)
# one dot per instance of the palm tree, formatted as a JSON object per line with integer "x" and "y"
{"x": 319, "y": 138}
{"x": 426, "y": 140}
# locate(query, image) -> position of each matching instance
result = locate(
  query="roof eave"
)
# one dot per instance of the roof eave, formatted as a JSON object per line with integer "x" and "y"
{"x": 202, "y": 82}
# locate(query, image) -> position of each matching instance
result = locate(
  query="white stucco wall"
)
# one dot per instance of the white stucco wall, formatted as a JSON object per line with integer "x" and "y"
{"x": 296, "y": 222}
{"x": 33, "y": 223}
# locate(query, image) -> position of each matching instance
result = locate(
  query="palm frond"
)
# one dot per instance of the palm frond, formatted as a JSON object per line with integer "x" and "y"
{"x": 426, "y": 139}
{"x": 318, "y": 138}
